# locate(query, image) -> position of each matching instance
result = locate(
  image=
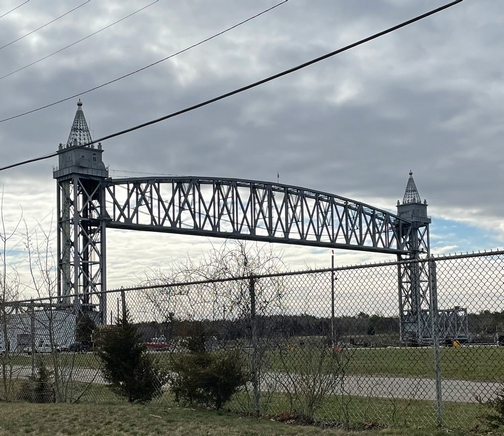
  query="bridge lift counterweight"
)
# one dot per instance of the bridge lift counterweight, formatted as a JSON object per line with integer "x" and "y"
{"x": 89, "y": 201}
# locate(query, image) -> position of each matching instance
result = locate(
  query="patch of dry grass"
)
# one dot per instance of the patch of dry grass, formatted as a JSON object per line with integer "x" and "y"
{"x": 138, "y": 420}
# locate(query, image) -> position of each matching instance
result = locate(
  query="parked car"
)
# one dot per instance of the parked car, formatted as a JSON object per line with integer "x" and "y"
{"x": 64, "y": 347}
{"x": 79, "y": 347}
{"x": 158, "y": 344}
{"x": 43, "y": 347}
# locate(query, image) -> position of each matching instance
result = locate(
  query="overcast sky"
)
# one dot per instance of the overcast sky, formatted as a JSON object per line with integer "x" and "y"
{"x": 426, "y": 98}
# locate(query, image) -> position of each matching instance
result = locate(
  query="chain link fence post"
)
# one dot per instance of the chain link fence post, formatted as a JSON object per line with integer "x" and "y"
{"x": 32, "y": 337}
{"x": 333, "y": 342}
{"x": 255, "y": 346}
{"x": 435, "y": 339}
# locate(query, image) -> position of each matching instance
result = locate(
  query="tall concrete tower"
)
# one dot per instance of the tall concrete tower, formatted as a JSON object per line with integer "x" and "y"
{"x": 81, "y": 225}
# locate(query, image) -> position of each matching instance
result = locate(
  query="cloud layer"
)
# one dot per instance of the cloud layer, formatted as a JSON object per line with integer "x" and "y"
{"x": 427, "y": 98}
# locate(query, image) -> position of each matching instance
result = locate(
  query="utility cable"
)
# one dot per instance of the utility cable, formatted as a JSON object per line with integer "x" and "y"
{"x": 77, "y": 42}
{"x": 12, "y": 10}
{"x": 245, "y": 88}
{"x": 45, "y": 25}
{"x": 147, "y": 66}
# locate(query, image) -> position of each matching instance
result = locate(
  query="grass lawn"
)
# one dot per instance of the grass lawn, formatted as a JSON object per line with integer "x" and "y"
{"x": 463, "y": 363}
{"x": 163, "y": 419}
{"x": 356, "y": 413}
{"x": 351, "y": 412}
{"x": 80, "y": 360}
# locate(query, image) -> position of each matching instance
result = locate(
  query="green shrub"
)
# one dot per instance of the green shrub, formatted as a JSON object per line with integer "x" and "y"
{"x": 130, "y": 371}
{"x": 209, "y": 379}
{"x": 38, "y": 388}
{"x": 494, "y": 419}
{"x": 84, "y": 329}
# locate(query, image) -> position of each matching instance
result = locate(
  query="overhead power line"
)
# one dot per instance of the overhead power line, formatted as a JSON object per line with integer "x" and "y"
{"x": 252, "y": 85}
{"x": 147, "y": 66}
{"x": 78, "y": 41}
{"x": 45, "y": 25}
{"x": 13, "y": 9}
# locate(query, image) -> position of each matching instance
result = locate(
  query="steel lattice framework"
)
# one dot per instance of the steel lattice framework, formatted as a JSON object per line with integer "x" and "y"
{"x": 89, "y": 202}
{"x": 273, "y": 212}
{"x": 246, "y": 209}
{"x": 239, "y": 209}
{"x": 416, "y": 298}
{"x": 81, "y": 242}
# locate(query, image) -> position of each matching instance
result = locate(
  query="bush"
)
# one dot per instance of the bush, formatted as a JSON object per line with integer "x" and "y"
{"x": 130, "y": 371}
{"x": 84, "y": 329}
{"x": 40, "y": 387}
{"x": 310, "y": 375}
{"x": 494, "y": 419}
{"x": 209, "y": 379}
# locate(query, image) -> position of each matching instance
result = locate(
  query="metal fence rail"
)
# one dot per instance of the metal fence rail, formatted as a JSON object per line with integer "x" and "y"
{"x": 322, "y": 344}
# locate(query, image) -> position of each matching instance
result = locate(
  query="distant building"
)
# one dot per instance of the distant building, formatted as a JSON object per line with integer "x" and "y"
{"x": 21, "y": 326}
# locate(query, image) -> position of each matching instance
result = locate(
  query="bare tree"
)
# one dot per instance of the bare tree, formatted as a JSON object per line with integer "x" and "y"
{"x": 55, "y": 321}
{"x": 43, "y": 318}
{"x": 9, "y": 282}
{"x": 221, "y": 297}
{"x": 235, "y": 287}
{"x": 43, "y": 282}
{"x": 310, "y": 373}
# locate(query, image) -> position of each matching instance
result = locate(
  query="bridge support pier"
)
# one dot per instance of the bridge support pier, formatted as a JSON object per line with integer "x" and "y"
{"x": 414, "y": 276}
{"x": 81, "y": 223}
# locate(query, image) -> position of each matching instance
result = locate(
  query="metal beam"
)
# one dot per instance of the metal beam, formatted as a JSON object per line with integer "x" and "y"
{"x": 247, "y": 209}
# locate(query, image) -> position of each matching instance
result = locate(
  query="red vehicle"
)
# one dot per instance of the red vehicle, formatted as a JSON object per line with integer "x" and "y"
{"x": 158, "y": 344}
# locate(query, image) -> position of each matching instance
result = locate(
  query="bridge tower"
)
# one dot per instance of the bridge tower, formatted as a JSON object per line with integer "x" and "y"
{"x": 81, "y": 221}
{"x": 416, "y": 304}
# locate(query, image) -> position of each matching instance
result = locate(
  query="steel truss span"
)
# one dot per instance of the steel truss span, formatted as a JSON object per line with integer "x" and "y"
{"x": 246, "y": 209}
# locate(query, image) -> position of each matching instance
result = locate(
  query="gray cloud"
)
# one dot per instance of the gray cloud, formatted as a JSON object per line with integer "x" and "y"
{"x": 427, "y": 97}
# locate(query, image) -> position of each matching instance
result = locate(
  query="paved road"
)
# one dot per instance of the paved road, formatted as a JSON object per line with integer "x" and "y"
{"x": 363, "y": 386}
{"x": 460, "y": 391}
{"x": 419, "y": 388}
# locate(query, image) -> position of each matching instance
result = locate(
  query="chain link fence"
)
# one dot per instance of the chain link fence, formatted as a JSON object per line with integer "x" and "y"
{"x": 324, "y": 345}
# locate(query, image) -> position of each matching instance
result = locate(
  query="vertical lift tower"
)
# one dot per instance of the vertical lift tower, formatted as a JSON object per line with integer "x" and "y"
{"x": 81, "y": 222}
{"x": 415, "y": 299}
{"x": 419, "y": 316}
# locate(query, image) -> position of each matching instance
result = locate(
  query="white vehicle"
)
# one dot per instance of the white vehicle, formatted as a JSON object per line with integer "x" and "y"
{"x": 42, "y": 347}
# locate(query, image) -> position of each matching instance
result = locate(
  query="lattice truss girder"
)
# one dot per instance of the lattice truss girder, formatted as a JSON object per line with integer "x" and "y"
{"x": 80, "y": 222}
{"x": 415, "y": 292}
{"x": 453, "y": 323}
{"x": 415, "y": 275}
{"x": 252, "y": 210}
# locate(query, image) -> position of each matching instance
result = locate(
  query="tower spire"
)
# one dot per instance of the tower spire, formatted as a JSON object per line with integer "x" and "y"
{"x": 79, "y": 133}
{"x": 81, "y": 222}
{"x": 74, "y": 158}
{"x": 412, "y": 207}
{"x": 411, "y": 194}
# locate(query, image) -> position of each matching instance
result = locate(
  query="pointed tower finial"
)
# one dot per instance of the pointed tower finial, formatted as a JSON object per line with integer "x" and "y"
{"x": 79, "y": 133}
{"x": 79, "y": 156}
{"x": 411, "y": 207}
{"x": 411, "y": 194}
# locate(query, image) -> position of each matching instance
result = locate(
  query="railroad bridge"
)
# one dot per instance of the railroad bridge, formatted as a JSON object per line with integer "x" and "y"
{"x": 89, "y": 202}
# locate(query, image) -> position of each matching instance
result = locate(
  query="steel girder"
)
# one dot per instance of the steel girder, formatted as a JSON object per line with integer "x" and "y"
{"x": 245, "y": 209}
{"x": 417, "y": 288}
{"x": 454, "y": 324}
{"x": 81, "y": 243}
